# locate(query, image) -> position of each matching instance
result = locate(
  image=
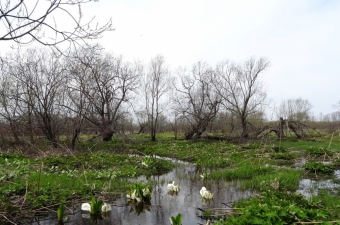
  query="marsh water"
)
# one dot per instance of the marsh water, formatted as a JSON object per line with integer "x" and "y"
{"x": 165, "y": 204}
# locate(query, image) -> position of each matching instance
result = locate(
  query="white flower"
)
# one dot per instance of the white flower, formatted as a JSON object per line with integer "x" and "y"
{"x": 86, "y": 207}
{"x": 170, "y": 220}
{"x": 144, "y": 164}
{"x": 132, "y": 196}
{"x": 146, "y": 191}
{"x": 106, "y": 207}
{"x": 202, "y": 191}
{"x": 173, "y": 187}
{"x": 206, "y": 194}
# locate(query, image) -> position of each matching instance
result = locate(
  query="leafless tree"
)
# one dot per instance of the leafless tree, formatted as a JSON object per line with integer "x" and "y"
{"x": 156, "y": 84}
{"x": 9, "y": 101}
{"x": 195, "y": 99}
{"x": 240, "y": 88}
{"x": 295, "y": 109}
{"x": 40, "y": 79}
{"x": 42, "y": 21}
{"x": 106, "y": 83}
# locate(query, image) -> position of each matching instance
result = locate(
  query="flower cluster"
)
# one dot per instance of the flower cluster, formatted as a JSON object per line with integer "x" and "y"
{"x": 206, "y": 194}
{"x": 139, "y": 192}
{"x": 173, "y": 187}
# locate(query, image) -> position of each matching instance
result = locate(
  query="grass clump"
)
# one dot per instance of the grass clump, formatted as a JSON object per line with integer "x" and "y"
{"x": 284, "y": 156}
{"x": 244, "y": 171}
{"x": 319, "y": 151}
{"x": 279, "y": 180}
{"x": 278, "y": 208}
{"x": 320, "y": 167}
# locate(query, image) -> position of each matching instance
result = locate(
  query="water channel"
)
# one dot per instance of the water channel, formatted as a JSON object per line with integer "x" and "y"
{"x": 164, "y": 204}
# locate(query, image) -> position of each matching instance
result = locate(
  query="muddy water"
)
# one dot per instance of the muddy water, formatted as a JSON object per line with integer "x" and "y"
{"x": 164, "y": 204}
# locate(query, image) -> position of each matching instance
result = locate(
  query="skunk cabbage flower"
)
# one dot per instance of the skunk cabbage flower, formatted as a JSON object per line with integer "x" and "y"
{"x": 146, "y": 191}
{"x": 206, "y": 194}
{"x": 106, "y": 207}
{"x": 173, "y": 187}
{"x": 202, "y": 191}
{"x": 133, "y": 196}
{"x": 86, "y": 207}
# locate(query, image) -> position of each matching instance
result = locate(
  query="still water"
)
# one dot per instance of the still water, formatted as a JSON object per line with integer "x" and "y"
{"x": 164, "y": 204}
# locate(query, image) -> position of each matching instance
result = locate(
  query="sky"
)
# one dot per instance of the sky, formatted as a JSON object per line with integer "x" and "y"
{"x": 299, "y": 38}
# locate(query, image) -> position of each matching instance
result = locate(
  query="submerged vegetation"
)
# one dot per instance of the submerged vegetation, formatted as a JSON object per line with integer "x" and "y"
{"x": 107, "y": 170}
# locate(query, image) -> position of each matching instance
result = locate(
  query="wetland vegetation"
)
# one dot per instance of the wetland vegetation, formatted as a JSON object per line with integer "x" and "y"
{"x": 37, "y": 181}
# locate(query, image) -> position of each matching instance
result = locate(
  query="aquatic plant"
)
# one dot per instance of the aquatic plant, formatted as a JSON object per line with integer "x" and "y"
{"x": 176, "y": 220}
{"x": 139, "y": 192}
{"x": 206, "y": 194}
{"x": 96, "y": 206}
{"x": 147, "y": 162}
{"x": 204, "y": 175}
{"x": 173, "y": 187}
{"x": 60, "y": 213}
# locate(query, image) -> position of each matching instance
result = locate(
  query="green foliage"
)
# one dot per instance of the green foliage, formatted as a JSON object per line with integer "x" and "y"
{"x": 279, "y": 149}
{"x": 60, "y": 212}
{"x": 96, "y": 206}
{"x": 143, "y": 191}
{"x": 319, "y": 151}
{"x": 283, "y": 179}
{"x": 244, "y": 171}
{"x": 284, "y": 156}
{"x": 254, "y": 145}
{"x": 277, "y": 208}
{"x": 320, "y": 167}
{"x": 176, "y": 220}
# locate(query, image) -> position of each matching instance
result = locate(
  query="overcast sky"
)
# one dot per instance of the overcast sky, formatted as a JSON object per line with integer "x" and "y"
{"x": 299, "y": 38}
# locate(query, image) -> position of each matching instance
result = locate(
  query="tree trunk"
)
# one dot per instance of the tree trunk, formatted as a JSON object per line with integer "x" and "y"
{"x": 107, "y": 136}
{"x": 244, "y": 129}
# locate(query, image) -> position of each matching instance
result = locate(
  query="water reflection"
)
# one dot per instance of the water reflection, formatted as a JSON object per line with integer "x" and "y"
{"x": 165, "y": 203}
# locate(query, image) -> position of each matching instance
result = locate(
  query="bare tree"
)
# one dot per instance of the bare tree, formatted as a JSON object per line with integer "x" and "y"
{"x": 156, "y": 84}
{"x": 40, "y": 21}
{"x": 40, "y": 79}
{"x": 295, "y": 109}
{"x": 240, "y": 88}
{"x": 106, "y": 83}
{"x": 9, "y": 101}
{"x": 195, "y": 99}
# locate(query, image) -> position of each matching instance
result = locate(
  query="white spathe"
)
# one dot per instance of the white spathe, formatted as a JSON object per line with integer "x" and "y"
{"x": 106, "y": 207}
{"x": 146, "y": 191}
{"x": 86, "y": 207}
{"x": 202, "y": 191}
{"x": 206, "y": 194}
{"x": 173, "y": 187}
{"x": 133, "y": 196}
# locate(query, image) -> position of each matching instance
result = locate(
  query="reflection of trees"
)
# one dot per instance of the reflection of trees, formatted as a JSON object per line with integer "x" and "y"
{"x": 139, "y": 207}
